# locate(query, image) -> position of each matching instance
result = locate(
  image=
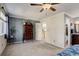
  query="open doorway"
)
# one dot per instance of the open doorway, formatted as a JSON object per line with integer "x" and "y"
{"x": 28, "y": 31}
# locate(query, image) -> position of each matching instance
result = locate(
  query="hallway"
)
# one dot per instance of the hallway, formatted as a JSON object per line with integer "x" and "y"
{"x": 31, "y": 48}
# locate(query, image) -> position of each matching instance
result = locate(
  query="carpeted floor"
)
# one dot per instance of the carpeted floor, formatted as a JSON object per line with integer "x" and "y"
{"x": 31, "y": 48}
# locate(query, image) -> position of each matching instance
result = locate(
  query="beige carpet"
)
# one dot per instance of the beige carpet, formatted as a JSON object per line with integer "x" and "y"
{"x": 31, "y": 48}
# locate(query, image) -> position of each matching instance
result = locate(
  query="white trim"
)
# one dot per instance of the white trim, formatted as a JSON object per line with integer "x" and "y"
{"x": 1, "y": 34}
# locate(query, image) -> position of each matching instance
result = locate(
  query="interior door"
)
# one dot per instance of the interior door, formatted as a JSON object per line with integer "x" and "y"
{"x": 38, "y": 31}
{"x": 28, "y": 31}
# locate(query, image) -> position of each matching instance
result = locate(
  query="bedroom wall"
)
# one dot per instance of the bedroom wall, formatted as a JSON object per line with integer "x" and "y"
{"x": 54, "y": 33}
{"x": 3, "y": 30}
{"x": 17, "y": 24}
{"x": 3, "y": 43}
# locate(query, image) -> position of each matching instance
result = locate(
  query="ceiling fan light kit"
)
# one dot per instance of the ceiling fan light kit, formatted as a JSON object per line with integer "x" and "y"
{"x": 46, "y": 6}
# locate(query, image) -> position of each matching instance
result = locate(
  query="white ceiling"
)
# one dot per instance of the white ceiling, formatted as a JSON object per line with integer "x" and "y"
{"x": 24, "y": 10}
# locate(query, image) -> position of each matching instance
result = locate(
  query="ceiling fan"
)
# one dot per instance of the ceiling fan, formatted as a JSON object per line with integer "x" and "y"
{"x": 45, "y": 6}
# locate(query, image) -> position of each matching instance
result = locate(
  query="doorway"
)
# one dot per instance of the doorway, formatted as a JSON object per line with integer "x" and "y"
{"x": 28, "y": 31}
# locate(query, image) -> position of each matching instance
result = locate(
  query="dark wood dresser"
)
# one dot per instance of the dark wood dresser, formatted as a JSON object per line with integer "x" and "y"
{"x": 75, "y": 38}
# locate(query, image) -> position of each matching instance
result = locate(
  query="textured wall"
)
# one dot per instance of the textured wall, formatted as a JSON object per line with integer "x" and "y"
{"x": 18, "y": 25}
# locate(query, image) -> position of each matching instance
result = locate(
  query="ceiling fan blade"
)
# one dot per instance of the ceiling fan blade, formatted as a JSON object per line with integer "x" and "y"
{"x": 54, "y": 3}
{"x": 53, "y": 9}
{"x": 41, "y": 9}
{"x": 35, "y": 4}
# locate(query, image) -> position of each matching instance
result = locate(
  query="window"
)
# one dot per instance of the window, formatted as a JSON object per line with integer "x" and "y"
{"x": 1, "y": 27}
{"x": 44, "y": 25}
{"x": 5, "y": 28}
{"x": 3, "y": 24}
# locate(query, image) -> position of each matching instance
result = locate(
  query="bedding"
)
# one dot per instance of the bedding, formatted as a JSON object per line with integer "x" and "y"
{"x": 72, "y": 51}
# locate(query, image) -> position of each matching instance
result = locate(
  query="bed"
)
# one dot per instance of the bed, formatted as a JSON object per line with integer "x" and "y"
{"x": 71, "y": 51}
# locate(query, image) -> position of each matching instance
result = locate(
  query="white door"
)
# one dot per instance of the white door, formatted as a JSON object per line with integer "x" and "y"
{"x": 38, "y": 31}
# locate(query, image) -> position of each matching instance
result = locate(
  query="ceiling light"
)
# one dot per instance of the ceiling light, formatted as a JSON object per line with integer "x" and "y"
{"x": 46, "y": 6}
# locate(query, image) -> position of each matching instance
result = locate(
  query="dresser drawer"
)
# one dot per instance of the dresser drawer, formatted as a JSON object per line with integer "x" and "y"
{"x": 75, "y": 39}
